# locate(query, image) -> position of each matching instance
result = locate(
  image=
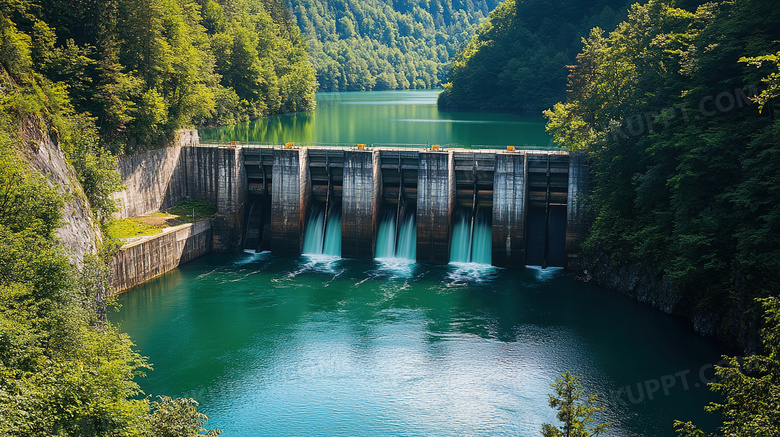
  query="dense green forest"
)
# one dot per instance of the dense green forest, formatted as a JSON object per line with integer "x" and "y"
{"x": 517, "y": 59}
{"x": 386, "y": 44}
{"x": 64, "y": 371}
{"x": 144, "y": 68}
{"x": 685, "y": 164}
{"x": 96, "y": 77}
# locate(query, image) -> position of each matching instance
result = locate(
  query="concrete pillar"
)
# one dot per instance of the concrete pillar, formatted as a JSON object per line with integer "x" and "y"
{"x": 290, "y": 193}
{"x": 187, "y": 137}
{"x": 360, "y": 204}
{"x": 576, "y": 225}
{"x": 435, "y": 201}
{"x": 216, "y": 175}
{"x": 509, "y": 209}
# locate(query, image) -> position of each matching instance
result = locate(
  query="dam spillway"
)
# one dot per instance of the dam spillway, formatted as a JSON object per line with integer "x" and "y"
{"x": 527, "y": 203}
{"x": 506, "y": 208}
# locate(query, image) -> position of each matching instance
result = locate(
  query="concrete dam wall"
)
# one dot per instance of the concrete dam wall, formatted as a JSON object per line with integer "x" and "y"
{"x": 159, "y": 179}
{"x": 531, "y": 199}
{"x": 150, "y": 257}
{"x": 528, "y": 203}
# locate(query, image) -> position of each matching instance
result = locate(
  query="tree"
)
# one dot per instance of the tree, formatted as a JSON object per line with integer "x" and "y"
{"x": 575, "y": 410}
{"x": 517, "y": 59}
{"x": 178, "y": 418}
{"x": 684, "y": 166}
{"x": 750, "y": 387}
{"x": 64, "y": 370}
{"x": 772, "y": 81}
{"x": 145, "y": 68}
{"x": 382, "y": 44}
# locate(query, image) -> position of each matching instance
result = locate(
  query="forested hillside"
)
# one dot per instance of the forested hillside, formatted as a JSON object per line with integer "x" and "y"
{"x": 386, "y": 44}
{"x": 145, "y": 68}
{"x": 517, "y": 59}
{"x": 78, "y": 79}
{"x": 686, "y": 167}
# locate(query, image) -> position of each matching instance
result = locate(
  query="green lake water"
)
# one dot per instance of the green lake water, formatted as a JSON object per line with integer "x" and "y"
{"x": 388, "y": 117}
{"x": 319, "y": 346}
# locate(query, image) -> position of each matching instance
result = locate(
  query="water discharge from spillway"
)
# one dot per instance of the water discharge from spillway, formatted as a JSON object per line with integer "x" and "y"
{"x": 482, "y": 240}
{"x": 471, "y": 238}
{"x": 397, "y": 241}
{"x": 321, "y": 238}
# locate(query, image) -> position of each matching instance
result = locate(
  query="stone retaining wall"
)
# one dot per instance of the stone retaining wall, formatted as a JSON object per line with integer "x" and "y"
{"x": 150, "y": 257}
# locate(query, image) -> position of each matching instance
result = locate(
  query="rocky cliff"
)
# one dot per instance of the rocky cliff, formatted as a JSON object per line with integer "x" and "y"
{"x": 79, "y": 232}
{"x": 641, "y": 282}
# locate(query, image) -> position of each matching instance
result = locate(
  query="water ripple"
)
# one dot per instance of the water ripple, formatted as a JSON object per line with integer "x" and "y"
{"x": 545, "y": 274}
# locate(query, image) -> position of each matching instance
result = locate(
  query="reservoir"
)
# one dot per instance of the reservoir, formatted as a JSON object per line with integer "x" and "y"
{"x": 316, "y": 345}
{"x": 388, "y": 118}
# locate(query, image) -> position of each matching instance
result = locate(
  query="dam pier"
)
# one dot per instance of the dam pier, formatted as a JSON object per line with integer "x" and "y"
{"x": 508, "y": 208}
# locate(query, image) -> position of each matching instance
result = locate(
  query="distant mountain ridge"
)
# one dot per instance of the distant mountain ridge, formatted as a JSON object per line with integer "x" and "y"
{"x": 386, "y": 44}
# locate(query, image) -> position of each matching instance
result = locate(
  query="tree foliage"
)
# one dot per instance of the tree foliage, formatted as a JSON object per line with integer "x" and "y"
{"x": 576, "y": 411}
{"x": 772, "y": 81}
{"x": 386, "y": 44}
{"x": 750, "y": 388}
{"x": 144, "y": 68}
{"x": 517, "y": 59}
{"x": 178, "y": 418}
{"x": 64, "y": 370}
{"x": 684, "y": 165}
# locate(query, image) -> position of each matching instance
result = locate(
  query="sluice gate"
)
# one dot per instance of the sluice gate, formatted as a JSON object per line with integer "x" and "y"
{"x": 508, "y": 208}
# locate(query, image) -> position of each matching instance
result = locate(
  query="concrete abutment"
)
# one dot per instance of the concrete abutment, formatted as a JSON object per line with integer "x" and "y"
{"x": 290, "y": 194}
{"x": 534, "y": 199}
{"x": 435, "y": 202}
{"x": 509, "y": 206}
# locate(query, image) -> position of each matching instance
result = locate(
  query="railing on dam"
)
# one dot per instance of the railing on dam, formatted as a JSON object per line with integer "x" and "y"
{"x": 420, "y": 146}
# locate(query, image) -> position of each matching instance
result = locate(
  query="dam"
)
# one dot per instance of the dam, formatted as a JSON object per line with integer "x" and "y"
{"x": 508, "y": 208}
{"x": 328, "y": 343}
{"x": 530, "y": 200}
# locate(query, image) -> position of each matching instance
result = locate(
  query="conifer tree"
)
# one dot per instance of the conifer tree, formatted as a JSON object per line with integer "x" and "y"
{"x": 750, "y": 387}
{"x": 575, "y": 410}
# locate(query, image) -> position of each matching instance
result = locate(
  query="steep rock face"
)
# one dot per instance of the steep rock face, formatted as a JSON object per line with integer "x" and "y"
{"x": 641, "y": 282}
{"x": 638, "y": 281}
{"x": 79, "y": 233}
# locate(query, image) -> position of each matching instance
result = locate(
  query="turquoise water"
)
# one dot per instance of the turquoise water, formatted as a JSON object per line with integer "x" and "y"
{"x": 317, "y": 346}
{"x": 385, "y": 237}
{"x": 320, "y": 238}
{"x": 406, "y": 247}
{"x": 388, "y": 117}
{"x": 320, "y": 346}
{"x": 402, "y": 246}
{"x": 471, "y": 240}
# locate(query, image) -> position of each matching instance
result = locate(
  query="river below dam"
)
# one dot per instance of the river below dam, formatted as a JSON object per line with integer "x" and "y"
{"x": 317, "y": 345}
{"x": 320, "y": 346}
